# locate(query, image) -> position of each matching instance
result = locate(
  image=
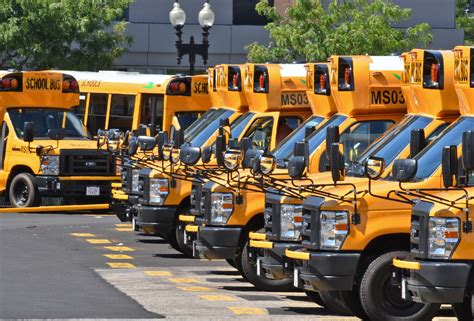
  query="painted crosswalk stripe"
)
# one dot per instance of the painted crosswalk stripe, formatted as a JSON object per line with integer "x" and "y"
{"x": 98, "y": 241}
{"x": 184, "y": 280}
{"x": 123, "y": 229}
{"x": 217, "y": 298}
{"x": 195, "y": 288}
{"x": 121, "y": 265}
{"x": 82, "y": 234}
{"x": 158, "y": 273}
{"x": 248, "y": 311}
{"x": 119, "y": 248}
{"x": 119, "y": 256}
{"x": 123, "y": 225}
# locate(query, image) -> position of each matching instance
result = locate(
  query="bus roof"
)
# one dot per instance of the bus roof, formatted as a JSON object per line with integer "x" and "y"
{"x": 318, "y": 89}
{"x": 463, "y": 78}
{"x": 428, "y": 82}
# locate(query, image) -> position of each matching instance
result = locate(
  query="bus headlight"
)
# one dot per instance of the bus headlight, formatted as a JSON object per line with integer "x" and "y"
{"x": 334, "y": 229}
{"x": 222, "y": 206}
{"x": 135, "y": 179}
{"x": 158, "y": 190}
{"x": 50, "y": 165}
{"x": 291, "y": 218}
{"x": 443, "y": 236}
{"x": 232, "y": 159}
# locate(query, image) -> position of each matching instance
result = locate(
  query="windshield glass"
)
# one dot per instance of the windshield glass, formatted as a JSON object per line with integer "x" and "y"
{"x": 46, "y": 119}
{"x": 205, "y": 127}
{"x": 239, "y": 124}
{"x": 430, "y": 158}
{"x": 319, "y": 136}
{"x": 285, "y": 148}
{"x": 389, "y": 145}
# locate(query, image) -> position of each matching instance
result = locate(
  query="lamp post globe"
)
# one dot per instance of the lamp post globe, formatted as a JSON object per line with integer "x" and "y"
{"x": 206, "y": 16}
{"x": 177, "y": 15}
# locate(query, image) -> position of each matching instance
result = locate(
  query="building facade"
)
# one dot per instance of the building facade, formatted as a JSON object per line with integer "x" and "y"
{"x": 237, "y": 25}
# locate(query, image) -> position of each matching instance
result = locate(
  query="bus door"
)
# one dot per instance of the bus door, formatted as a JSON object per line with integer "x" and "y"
{"x": 151, "y": 110}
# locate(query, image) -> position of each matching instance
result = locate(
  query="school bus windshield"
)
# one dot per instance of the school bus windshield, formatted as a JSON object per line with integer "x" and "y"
{"x": 47, "y": 119}
{"x": 202, "y": 129}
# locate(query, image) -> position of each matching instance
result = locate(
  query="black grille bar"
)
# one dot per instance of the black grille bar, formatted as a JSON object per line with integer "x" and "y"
{"x": 86, "y": 163}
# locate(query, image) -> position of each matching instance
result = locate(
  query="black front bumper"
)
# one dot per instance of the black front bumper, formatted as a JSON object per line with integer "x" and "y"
{"x": 273, "y": 261}
{"x": 125, "y": 209}
{"x": 328, "y": 271}
{"x": 437, "y": 282}
{"x": 218, "y": 242}
{"x": 159, "y": 220}
{"x": 52, "y": 186}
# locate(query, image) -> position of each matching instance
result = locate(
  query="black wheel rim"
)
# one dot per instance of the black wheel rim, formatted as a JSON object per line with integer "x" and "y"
{"x": 21, "y": 193}
{"x": 392, "y": 299}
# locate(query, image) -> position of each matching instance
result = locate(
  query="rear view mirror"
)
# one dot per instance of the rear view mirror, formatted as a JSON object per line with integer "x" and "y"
{"x": 178, "y": 138}
{"x": 299, "y": 162}
{"x": 206, "y": 154}
{"x": 146, "y": 143}
{"x": 404, "y": 169}
{"x": 28, "y": 132}
{"x": 449, "y": 165}
{"x": 161, "y": 140}
{"x": 250, "y": 156}
{"x": 308, "y": 131}
{"x": 468, "y": 151}
{"x": 234, "y": 143}
{"x": 126, "y": 138}
{"x": 374, "y": 167}
{"x": 221, "y": 146}
{"x": 417, "y": 142}
{"x": 224, "y": 122}
{"x": 332, "y": 136}
{"x": 337, "y": 162}
{"x": 132, "y": 146}
{"x": 141, "y": 131}
{"x": 56, "y": 134}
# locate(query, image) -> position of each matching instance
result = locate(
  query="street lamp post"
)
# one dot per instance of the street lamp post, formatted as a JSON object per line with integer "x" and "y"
{"x": 206, "y": 20}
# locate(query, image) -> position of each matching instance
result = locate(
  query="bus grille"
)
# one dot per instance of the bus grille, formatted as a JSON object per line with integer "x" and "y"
{"x": 86, "y": 163}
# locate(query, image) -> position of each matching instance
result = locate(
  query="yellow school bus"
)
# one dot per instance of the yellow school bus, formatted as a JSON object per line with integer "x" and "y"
{"x": 353, "y": 255}
{"x": 441, "y": 237}
{"x": 46, "y": 150}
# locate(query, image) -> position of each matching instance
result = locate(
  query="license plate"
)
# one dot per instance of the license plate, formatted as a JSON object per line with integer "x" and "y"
{"x": 92, "y": 190}
{"x": 404, "y": 288}
{"x": 258, "y": 267}
{"x": 295, "y": 278}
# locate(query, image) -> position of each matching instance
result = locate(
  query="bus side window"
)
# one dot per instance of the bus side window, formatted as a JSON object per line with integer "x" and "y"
{"x": 260, "y": 132}
{"x": 151, "y": 110}
{"x": 97, "y": 112}
{"x": 360, "y": 135}
{"x": 3, "y": 144}
{"x": 121, "y": 112}
{"x": 187, "y": 118}
{"x": 285, "y": 126}
{"x": 81, "y": 108}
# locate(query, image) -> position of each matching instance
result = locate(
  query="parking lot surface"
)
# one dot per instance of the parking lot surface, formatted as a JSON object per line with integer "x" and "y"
{"x": 91, "y": 266}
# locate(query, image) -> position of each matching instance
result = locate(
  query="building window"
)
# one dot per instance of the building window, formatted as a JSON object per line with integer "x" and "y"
{"x": 244, "y": 13}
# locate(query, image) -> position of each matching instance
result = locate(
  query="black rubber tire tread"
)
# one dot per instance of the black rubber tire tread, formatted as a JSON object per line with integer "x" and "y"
{"x": 34, "y": 198}
{"x": 372, "y": 298}
{"x": 260, "y": 282}
{"x": 232, "y": 263}
{"x": 464, "y": 311}
{"x": 315, "y": 297}
{"x": 333, "y": 302}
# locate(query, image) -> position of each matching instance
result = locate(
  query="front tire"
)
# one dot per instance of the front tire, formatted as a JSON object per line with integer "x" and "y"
{"x": 333, "y": 302}
{"x": 181, "y": 245}
{"x": 315, "y": 297}
{"x": 465, "y": 310}
{"x": 23, "y": 191}
{"x": 382, "y": 301}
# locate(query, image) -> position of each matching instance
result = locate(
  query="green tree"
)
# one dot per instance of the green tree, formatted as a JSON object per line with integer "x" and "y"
{"x": 310, "y": 31}
{"x": 465, "y": 20}
{"x": 63, "y": 34}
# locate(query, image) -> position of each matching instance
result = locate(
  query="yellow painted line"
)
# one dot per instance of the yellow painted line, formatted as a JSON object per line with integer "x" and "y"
{"x": 124, "y": 229}
{"x": 261, "y": 244}
{"x": 409, "y": 265}
{"x": 187, "y": 218}
{"x": 213, "y": 260}
{"x": 297, "y": 255}
{"x": 184, "y": 280}
{"x": 98, "y": 241}
{"x": 191, "y": 228}
{"x": 82, "y": 234}
{"x": 158, "y": 273}
{"x": 248, "y": 311}
{"x": 119, "y": 256}
{"x": 89, "y": 178}
{"x": 120, "y": 265}
{"x": 257, "y": 236}
{"x": 217, "y": 298}
{"x": 122, "y": 197}
{"x": 116, "y": 185}
{"x": 54, "y": 208}
{"x": 195, "y": 288}
{"x": 124, "y": 225}
{"x": 119, "y": 248}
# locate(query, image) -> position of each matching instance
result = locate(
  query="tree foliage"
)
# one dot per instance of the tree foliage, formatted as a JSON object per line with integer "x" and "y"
{"x": 311, "y": 31}
{"x": 464, "y": 20}
{"x": 63, "y": 34}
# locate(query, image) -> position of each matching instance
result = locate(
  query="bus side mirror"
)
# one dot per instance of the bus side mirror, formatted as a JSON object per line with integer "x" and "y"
{"x": 126, "y": 138}
{"x": 449, "y": 165}
{"x": 178, "y": 138}
{"x": 468, "y": 151}
{"x": 206, "y": 154}
{"x": 161, "y": 140}
{"x": 141, "y": 131}
{"x": 146, "y": 143}
{"x": 190, "y": 155}
{"x": 28, "y": 132}
{"x": 336, "y": 155}
{"x": 299, "y": 162}
{"x": 250, "y": 156}
{"x": 374, "y": 167}
{"x": 417, "y": 142}
{"x": 332, "y": 136}
{"x": 308, "y": 131}
{"x": 132, "y": 146}
{"x": 404, "y": 169}
{"x": 221, "y": 146}
{"x": 56, "y": 134}
{"x": 224, "y": 122}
